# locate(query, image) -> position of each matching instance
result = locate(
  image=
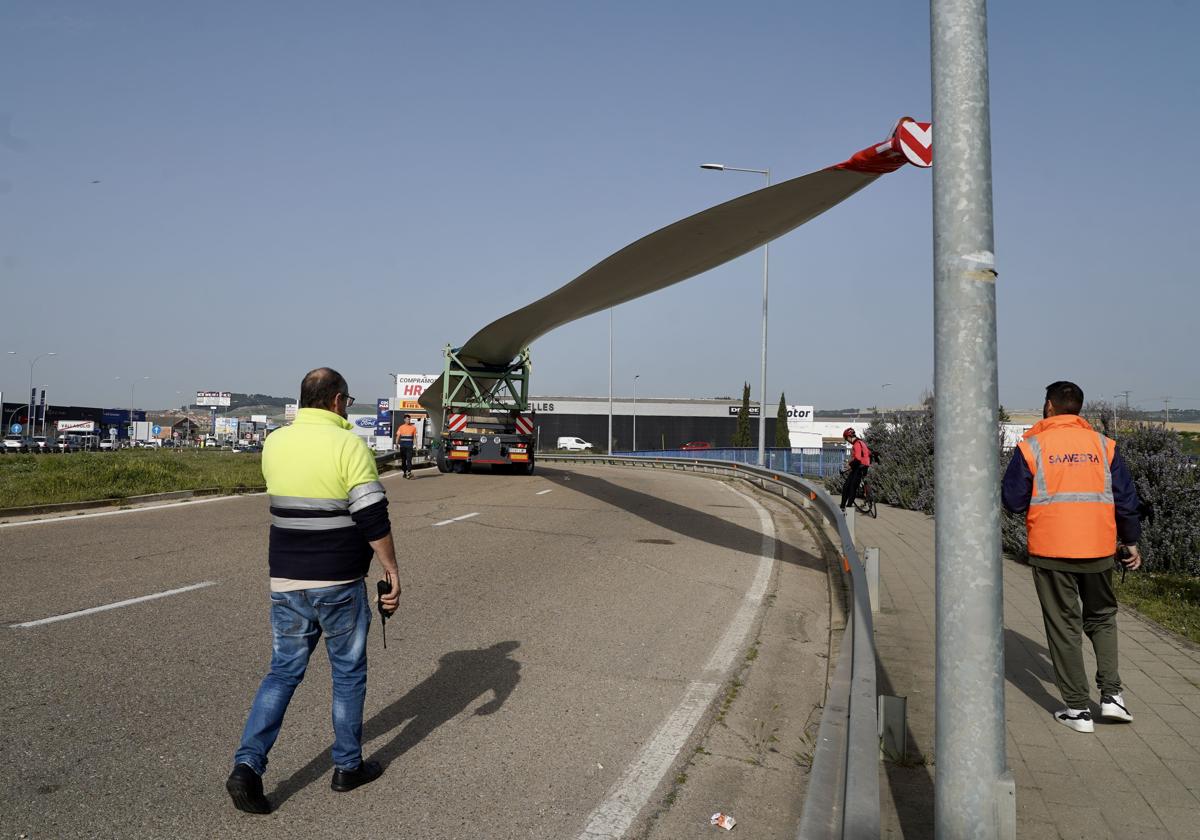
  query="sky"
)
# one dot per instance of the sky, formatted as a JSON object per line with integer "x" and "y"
{"x": 222, "y": 196}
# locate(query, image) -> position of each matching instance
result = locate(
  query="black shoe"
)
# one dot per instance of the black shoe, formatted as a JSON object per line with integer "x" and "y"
{"x": 245, "y": 788}
{"x": 363, "y": 774}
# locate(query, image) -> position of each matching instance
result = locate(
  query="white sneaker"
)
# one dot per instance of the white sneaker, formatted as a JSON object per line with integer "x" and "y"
{"x": 1112, "y": 707}
{"x": 1078, "y": 719}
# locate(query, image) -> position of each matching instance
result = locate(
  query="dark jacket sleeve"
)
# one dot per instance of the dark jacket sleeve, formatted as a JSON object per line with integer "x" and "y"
{"x": 1017, "y": 487}
{"x": 1129, "y": 526}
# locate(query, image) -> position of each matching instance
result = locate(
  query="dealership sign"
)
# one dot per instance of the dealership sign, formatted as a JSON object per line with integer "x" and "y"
{"x": 734, "y": 409}
{"x": 76, "y": 426}
{"x": 800, "y": 415}
{"x": 409, "y": 387}
{"x": 213, "y": 398}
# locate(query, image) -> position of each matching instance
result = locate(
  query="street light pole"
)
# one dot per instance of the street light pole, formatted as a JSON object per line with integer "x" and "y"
{"x": 609, "y": 447}
{"x": 635, "y": 379}
{"x": 762, "y": 383}
{"x": 132, "y": 385}
{"x": 32, "y": 399}
{"x": 881, "y": 393}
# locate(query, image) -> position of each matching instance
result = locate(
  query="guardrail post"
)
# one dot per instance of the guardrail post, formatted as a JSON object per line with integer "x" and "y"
{"x": 871, "y": 562}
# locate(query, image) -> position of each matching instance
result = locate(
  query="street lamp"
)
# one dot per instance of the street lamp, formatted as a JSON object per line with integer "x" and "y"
{"x": 881, "y": 392}
{"x": 609, "y": 446}
{"x": 762, "y": 388}
{"x": 635, "y": 379}
{"x": 132, "y": 384}
{"x": 32, "y": 400}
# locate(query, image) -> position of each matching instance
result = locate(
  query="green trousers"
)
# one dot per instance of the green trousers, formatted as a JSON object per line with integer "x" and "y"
{"x": 1075, "y": 603}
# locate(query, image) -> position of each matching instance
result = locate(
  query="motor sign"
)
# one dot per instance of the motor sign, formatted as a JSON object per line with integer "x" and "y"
{"x": 798, "y": 415}
{"x": 916, "y": 141}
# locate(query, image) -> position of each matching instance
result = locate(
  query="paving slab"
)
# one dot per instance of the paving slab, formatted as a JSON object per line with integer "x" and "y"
{"x": 1139, "y": 780}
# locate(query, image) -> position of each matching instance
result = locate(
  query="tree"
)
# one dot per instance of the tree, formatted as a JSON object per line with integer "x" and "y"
{"x": 782, "y": 439}
{"x": 741, "y": 437}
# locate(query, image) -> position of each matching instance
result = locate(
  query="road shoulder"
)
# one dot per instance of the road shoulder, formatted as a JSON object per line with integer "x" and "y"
{"x": 753, "y": 761}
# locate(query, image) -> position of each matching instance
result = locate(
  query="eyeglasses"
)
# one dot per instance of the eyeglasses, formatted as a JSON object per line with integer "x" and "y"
{"x": 349, "y": 400}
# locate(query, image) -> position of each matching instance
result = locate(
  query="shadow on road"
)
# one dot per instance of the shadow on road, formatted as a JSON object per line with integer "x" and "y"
{"x": 462, "y": 677}
{"x": 911, "y": 781}
{"x": 689, "y": 522}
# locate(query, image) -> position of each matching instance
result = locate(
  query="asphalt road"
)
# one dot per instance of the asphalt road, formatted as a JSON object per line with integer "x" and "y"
{"x": 540, "y": 647}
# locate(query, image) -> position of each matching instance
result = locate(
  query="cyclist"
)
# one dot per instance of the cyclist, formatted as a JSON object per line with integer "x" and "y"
{"x": 860, "y": 459}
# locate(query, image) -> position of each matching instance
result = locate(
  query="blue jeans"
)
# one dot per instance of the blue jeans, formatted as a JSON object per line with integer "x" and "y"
{"x": 297, "y": 621}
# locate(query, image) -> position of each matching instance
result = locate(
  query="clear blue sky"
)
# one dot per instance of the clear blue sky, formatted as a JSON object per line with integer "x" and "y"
{"x": 286, "y": 185}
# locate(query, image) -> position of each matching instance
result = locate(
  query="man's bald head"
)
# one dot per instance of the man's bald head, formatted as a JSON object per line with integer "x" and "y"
{"x": 320, "y": 387}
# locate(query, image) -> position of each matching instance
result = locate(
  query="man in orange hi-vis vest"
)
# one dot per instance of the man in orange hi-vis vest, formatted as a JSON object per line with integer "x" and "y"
{"x": 406, "y": 437}
{"x": 1079, "y": 501}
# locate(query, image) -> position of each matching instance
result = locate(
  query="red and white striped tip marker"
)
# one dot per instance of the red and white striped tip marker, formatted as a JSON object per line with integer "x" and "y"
{"x": 915, "y": 139}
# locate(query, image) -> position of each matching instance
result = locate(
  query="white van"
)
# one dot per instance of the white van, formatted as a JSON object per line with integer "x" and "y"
{"x": 573, "y": 443}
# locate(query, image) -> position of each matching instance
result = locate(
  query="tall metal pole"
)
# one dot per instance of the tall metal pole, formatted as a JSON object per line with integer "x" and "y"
{"x": 609, "y": 447}
{"x": 635, "y": 379}
{"x": 974, "y": 794}
{"x": 762, "y": 381}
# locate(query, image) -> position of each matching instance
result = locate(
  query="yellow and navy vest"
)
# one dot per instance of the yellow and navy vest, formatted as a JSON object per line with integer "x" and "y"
{"x": 327, "y": 504}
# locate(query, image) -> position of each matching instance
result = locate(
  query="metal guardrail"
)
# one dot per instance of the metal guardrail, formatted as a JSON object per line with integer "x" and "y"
{"x": 842, "y": 800}
{"x": 814, "y": 461}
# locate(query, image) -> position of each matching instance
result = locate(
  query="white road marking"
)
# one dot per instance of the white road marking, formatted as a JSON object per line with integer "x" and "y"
{"x": 735, "y": 635}
{"x": 613, "y": 817}
{"x": 455, "y": 519}
{"x": 77, "y": 517}
{"x": 544, "y": 492}
{"x": 126, "y": 603}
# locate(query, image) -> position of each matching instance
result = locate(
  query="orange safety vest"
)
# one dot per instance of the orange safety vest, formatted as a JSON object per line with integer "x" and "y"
{"x": 407, "y": 434}
{"x": 1071, "y": 512}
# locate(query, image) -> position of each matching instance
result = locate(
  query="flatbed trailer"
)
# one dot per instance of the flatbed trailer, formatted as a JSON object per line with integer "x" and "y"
{"x": 486, "y": 417}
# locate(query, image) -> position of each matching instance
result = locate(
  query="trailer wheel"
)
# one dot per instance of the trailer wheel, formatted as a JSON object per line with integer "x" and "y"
{"x": 440, "y": 460}
{"x": 529, "y": 468}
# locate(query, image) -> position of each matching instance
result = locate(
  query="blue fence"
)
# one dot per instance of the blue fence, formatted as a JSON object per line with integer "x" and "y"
{"x": 815, "y": 463}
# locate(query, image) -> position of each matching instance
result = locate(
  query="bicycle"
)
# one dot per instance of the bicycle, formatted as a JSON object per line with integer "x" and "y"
{"x": 865, "y": 503}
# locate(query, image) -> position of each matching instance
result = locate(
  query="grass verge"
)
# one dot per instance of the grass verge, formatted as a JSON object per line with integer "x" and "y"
{"x": 86, "y": 476}
{"x": 1171, "y": 600}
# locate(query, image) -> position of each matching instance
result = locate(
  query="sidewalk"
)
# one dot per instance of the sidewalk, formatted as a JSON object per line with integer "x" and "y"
{"x": 1139, "y": 780}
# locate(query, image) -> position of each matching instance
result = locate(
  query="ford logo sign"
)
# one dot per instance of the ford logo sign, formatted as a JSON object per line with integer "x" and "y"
{"x": 365, "y": 422}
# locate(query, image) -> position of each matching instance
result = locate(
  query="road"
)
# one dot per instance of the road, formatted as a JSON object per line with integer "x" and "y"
{"x": 561, "y": 648}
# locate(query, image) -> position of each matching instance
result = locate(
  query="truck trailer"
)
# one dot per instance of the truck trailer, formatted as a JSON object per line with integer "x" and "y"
{"x": 485, "y": 416}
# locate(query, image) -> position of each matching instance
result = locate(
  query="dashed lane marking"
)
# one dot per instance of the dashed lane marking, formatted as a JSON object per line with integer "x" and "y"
{"x": 125, "y": 603}
{"x": 544, "y": 492}
{"x": 455, "y": 519}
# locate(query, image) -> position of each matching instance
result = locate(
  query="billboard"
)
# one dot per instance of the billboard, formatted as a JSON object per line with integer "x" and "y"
{"x": 212, "y": 398}
{"x": 409, "y": 387}
{"x": 383, "y": 417}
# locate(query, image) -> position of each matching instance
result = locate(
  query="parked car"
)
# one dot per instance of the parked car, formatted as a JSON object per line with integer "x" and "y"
{"x": 14, "y": 443}
{"x": 573, "y": 444}
{"x": 108, "y": 444}
{"x": 696, "y": 444}
{"x": 40, "y": 444}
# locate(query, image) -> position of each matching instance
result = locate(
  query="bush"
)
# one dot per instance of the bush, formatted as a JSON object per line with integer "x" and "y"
{"x": 1169, "y": 489}
{"x": 901, "y": 461}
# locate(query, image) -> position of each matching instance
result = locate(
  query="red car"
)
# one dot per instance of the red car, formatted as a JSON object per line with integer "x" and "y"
{"x": 696, "y": 444}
